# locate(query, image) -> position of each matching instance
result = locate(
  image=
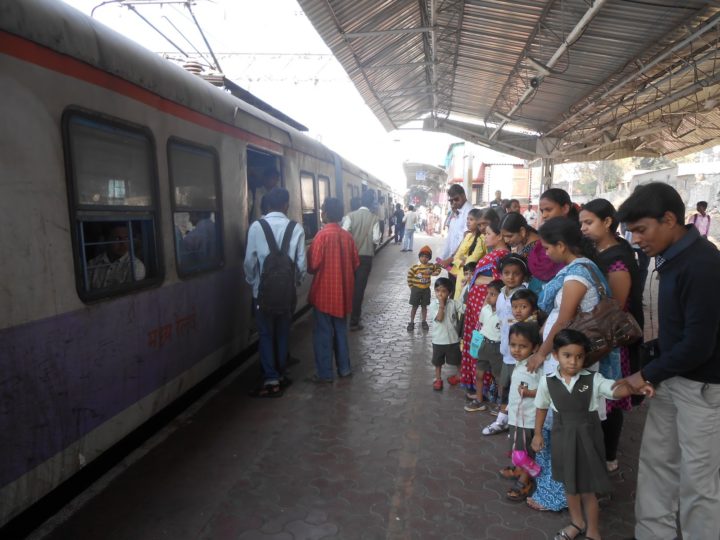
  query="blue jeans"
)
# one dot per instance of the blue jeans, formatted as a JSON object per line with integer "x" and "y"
{"x": 274, "y": 332}
{"x": 330, "y": 336}
{"x": 408, "y": 239}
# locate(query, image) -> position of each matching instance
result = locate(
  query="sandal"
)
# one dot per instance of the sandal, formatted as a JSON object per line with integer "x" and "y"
{"x": 438, "y": 384}
{"x": 521, "y": 491}
{"x": 453, "y": 380}
{"x": 536, "y": 506}
{"x": 267, "y": 391}
{"x": 509, "y": 472}
{"x": 563, "y": 535}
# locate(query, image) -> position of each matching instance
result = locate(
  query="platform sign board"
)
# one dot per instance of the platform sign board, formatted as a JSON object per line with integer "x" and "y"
{"x": 420, "y": 176}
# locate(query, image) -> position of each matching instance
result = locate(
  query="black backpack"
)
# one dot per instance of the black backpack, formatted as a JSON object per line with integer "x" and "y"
{"x": 277, "y": 294}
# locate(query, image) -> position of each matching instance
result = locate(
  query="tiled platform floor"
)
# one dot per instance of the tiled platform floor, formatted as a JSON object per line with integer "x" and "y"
{"x": 377, "y": 456}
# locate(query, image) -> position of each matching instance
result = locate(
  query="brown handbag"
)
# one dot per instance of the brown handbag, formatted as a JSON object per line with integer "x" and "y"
{"x": 607, "y": 326}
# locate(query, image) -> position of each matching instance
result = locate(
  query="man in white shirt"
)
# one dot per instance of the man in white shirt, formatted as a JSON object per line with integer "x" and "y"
{"x": 273, "y": 330}
{"x": 410, "y": 221}
{"x": 364, "y": 227}
{"x": 530, "y": 216}
{"x": 457, "y": 223}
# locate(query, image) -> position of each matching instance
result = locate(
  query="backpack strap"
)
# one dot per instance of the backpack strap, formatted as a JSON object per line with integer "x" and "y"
{"x": 287, "y": 237}
{"x": 269, "y": 236}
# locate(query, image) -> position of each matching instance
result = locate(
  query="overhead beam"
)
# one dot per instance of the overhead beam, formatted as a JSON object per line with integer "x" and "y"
{"x": 392, "y": 31}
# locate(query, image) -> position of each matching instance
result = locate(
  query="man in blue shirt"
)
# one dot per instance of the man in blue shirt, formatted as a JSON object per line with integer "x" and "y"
{"x": 679, "y": 472}
{"x": 273, "y": 330}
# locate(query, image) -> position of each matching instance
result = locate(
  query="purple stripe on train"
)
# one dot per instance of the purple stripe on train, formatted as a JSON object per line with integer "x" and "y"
{"x": 64, "y": 376}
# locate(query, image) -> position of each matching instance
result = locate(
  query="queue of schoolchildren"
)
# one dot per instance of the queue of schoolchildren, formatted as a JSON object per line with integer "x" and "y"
{"x": 500, "y": 330}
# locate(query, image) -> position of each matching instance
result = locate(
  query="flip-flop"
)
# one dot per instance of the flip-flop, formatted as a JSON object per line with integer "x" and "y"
{"x": 535, "y": 506}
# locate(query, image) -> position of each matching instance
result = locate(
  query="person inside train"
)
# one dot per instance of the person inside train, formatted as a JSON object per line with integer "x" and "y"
{"x": 270, "y": 179}
{"x": 198, "y": 247}
{"x": 115, "y": 266}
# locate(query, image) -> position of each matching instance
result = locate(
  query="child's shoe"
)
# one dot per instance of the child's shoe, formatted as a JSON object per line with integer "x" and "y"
{"x": 494, "y": 428}
{"x": 475, "y": 406}
{"x": 438, "y": 384}
{"x": 425, "y": 326}
{"x": 454, "y": 380}
{"x": 410, "y": 326}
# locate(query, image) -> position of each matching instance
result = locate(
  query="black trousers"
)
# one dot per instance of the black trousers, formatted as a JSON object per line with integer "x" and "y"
{"x": 361, "y": 278}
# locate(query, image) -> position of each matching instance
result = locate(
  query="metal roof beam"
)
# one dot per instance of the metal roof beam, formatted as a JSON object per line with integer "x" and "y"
{"x": 709, "y": 25}
{"x": 395, "y": 66}
{"x": 573, "y": 36}
{"x": 393, "y": 31}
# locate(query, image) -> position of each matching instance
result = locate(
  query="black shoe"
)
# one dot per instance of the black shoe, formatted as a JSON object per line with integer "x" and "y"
{"x": 356, "y": 327}
{"x": 345, "y": 376}
{"x": 285, "y": 382}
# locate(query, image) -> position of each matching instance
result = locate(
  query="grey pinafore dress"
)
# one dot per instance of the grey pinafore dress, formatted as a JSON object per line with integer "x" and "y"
{"x": 578, "y": 451}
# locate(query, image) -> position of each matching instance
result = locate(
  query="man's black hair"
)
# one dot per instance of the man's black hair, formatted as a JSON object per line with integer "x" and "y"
{"x": 704, "y": 204}
{"x": 652, "y": 201}
{"x": 333, "y": 209}
{"x": 277, "y": 199}
{"x": 411, "y": 207}
{"x": 445, "y": 283}
{"x": 456, "y": 189}
{"x": 368, "y": 200}
{"x": 469, "y": 267}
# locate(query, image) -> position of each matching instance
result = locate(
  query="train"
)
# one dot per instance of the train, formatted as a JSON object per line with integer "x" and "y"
{"x": 111, "y": 158}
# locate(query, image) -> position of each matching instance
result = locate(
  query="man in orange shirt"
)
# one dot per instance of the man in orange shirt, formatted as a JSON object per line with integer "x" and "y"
{"x": 332, "y": 259}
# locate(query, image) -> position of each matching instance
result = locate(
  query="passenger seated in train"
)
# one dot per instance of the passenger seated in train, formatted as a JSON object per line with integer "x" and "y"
{"x": 198, "y": 247}
{"x": 113, "y": 266}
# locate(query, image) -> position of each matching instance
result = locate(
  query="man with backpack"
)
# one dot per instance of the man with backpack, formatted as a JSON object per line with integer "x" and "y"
{"x": 274, "y": 266}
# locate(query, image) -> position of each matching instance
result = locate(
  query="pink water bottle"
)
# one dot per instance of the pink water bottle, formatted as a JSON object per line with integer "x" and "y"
{"x": 520, "y": 458}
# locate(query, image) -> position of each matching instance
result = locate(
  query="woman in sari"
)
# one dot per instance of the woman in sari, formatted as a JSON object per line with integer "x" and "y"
{"x": 485, "y": 271}
{"x": 525, "y": 241}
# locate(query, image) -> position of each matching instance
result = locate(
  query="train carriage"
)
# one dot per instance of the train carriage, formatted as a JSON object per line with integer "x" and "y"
{"x": 106, "y": 149}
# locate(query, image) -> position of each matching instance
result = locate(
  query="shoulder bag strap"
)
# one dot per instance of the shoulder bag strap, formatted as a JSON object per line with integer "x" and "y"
{"x": 269, "y": 236}
{"x": 598, "y": 284}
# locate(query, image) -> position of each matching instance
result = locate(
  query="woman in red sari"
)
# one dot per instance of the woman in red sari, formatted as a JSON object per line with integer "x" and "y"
{"x": 485, "y": 271}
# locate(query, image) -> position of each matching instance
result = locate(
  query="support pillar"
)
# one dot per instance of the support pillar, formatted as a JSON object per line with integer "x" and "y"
{"x": 548, "y": 170}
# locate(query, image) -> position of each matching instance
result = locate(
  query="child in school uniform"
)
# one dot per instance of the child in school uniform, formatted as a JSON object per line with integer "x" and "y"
{"x": 445, "y": 338}
{"x": 489, "y": 356}
{"x": 524, "y": 340}
{"x": 514, "y": 272}
{"x": 578, "y": 460}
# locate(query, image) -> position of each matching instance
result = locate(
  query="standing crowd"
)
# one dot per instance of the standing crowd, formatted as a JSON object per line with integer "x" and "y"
{"x": 504, "y": 321}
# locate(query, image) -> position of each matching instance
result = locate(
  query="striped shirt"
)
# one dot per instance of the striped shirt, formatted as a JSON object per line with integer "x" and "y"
{"x": 419, "y": 275}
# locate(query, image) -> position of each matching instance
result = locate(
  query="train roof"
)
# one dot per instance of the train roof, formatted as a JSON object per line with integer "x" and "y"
{"x": 64, "y": 29}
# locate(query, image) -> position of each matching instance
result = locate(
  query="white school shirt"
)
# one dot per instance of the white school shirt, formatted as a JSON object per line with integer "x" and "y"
{"x": 527, "y": 404}
{"x": 445, "y": 332}
{"x": 504, "y": 313}
{"x": 489, "y": 323}
{"x": 601, "y": 389}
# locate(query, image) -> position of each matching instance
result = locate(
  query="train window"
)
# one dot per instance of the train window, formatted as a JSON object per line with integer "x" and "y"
{"x": 113, "y": 205}
{"x": 197, "y": 221}
{"x": 309, "y": 205}
{"x": 323, "y": 189}
{"x": 264, "y": 172}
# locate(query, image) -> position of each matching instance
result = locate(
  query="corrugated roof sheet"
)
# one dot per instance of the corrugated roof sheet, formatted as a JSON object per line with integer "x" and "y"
{"x": 452, "y": 60}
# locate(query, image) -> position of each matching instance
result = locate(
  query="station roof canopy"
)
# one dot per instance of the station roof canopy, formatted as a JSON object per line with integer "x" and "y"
{"x": 572, "y": 80}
